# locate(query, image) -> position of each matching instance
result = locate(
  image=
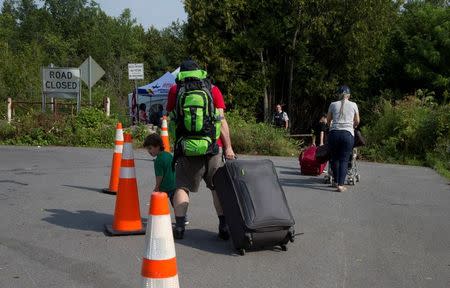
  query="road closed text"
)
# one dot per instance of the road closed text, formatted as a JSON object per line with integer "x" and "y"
{"x": 61, "y": 85}
{"x": 61, "y": 80}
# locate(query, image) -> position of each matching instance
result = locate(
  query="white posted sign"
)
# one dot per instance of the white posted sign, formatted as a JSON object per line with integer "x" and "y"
{"x": 136, "y": 71}
{"x": 62, "y": 80}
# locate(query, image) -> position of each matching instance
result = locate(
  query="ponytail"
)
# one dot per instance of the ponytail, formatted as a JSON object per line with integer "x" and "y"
{"x": 341, "y": 111}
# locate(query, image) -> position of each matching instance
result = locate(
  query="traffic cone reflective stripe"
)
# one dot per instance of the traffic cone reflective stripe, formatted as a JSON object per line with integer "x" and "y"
{"x": 165, "y": 134}
{"x": 159, "y": 268}
{"x": 119, "y": 135}
{"x": 127, "y": 167}
{"x": 127, "y": 173}
{"x": 159, "y": 265}
{"x": 117, "y": 157}
{"x": 127, "y": 216}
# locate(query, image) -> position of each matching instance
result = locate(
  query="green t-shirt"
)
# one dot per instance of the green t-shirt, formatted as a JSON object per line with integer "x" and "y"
{"x": 163, "y": 167}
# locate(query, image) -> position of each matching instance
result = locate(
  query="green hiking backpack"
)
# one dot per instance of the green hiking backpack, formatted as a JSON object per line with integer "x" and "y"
{"x": 195, "y": 122}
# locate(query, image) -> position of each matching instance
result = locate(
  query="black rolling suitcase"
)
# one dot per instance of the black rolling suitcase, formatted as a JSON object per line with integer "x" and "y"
{"x": 254, "y": 205}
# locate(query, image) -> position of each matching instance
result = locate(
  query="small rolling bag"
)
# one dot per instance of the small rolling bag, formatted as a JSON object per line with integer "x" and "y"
{"x": 309, "y": 164}
{"x": 254, "y": 205}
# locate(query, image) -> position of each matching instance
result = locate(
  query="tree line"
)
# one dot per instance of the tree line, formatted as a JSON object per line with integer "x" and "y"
{"x": 293, "y": 52}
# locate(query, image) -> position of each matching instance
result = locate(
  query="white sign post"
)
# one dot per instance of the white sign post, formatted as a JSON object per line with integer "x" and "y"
{"x": 61, "y": 83}
{"x": 135, "y": 72}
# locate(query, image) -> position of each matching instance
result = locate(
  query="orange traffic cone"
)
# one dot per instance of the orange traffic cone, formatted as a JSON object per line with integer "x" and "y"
{"x": 159, "y": 264}
{"x": 165, "y": 134}
{"x": 117, "y": 157}
{"x": 127, "y": 215}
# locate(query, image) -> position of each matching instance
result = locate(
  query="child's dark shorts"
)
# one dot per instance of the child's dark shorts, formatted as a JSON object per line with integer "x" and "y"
{"x": 170, "y": 194}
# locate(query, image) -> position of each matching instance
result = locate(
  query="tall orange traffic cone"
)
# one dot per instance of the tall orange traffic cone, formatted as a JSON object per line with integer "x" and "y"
{"x": 117, "y": 157}
{"x": 159, "y": 264}
{"x": 165, "y": 134}
{"x": 127, "y": 215}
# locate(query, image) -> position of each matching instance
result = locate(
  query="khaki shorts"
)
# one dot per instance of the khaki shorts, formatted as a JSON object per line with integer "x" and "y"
{"x": 191, "y": 170}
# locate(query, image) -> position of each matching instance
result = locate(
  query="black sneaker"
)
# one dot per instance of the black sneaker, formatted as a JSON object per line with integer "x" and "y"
{"x": 178, "y": 232}
{"x": 224, "y": 233}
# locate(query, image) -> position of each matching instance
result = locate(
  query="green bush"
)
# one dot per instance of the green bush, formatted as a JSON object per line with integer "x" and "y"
{"x": 413, "y": 131}
{"x": 250, "y": 137}
{"x": 7, "y": 130}
{"x": 89, "y": 128}
{"x": 139, "y": 132}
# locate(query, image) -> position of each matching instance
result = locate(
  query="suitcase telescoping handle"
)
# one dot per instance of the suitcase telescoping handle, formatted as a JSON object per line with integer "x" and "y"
{"x": 224, "y": 159}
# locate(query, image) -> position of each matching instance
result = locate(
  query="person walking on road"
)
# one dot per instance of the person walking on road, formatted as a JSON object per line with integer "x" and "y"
{"x": 344, "y": 118}
{"x": 195, "y": 157}
{"x": 321, "y": 131}
{"x": 164, "y": 175}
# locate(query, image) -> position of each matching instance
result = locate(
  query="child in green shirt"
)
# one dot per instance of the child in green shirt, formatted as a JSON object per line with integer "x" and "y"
{"x": 164, "y": 174}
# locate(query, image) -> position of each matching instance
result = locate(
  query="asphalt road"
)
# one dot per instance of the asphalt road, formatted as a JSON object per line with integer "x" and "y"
{"x": 390, "y": 230}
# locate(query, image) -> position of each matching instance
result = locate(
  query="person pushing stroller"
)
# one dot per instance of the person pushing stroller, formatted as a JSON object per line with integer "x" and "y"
{"x": 343, "y": 116}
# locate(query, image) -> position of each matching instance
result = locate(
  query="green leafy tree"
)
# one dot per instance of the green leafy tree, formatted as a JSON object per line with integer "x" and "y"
{"x": 292, "y": 52}
{"x": 420, "y": 50}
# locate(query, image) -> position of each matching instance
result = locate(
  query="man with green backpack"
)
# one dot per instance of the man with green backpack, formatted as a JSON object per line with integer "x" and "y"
{"x": 197, "y": 121}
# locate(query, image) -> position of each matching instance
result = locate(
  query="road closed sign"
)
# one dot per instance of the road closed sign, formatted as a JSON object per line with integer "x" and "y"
{"x": 61, "y": 80}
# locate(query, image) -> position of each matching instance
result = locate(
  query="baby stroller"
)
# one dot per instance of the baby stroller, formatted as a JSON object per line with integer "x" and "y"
{"x": 352, "y": 173}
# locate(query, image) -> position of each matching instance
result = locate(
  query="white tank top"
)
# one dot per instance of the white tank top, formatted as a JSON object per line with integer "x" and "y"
{"x": 344, "y": 120}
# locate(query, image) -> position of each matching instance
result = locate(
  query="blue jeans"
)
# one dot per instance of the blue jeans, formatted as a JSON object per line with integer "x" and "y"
{"x": 341, "y": 145}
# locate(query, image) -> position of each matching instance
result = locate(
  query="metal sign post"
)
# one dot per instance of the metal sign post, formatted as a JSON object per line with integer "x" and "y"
{"x": 90, "y": 81}
{"x": 43, "y": 94}
{"x": 135, "y": 72}
{"x": 79, "y": 101}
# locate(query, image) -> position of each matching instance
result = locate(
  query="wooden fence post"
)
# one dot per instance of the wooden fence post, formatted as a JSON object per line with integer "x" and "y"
{"x": 52, "y": 104}
{"x": 107, "y": 106}
{"x": 9, "y": 109}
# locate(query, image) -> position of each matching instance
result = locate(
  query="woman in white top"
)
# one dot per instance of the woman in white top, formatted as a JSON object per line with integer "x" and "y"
{"x": 344, "y": 118}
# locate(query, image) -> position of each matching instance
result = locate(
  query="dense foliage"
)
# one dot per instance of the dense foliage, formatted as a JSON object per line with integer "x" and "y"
{"x": 89, "y": 128}
{"x": 414, "y": 131}
{"x": 419, "y": 51}
{"x": 251, "y": 137}
{"x": 292, "y": 52}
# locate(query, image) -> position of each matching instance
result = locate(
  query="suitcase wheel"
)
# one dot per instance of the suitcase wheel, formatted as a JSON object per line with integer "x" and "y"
{"x": 241, "y": 251}
{"x": 351, "y": 181}
{"x": 283, "y": 247}
{"x": 249, "y": 239}
{"x": 291, "y": 235}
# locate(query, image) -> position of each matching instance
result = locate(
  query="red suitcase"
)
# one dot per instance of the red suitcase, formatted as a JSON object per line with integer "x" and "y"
{"x": 308, "y": 163}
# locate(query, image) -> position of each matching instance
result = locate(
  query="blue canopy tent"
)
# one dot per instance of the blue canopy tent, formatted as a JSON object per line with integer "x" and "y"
{"x": 160, "y": 86}
{"x": 154, "y": 96}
